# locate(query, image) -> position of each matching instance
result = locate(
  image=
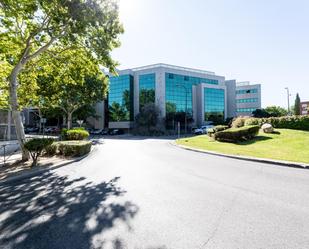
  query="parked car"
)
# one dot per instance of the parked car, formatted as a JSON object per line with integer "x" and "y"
{"x": 96, "y": 131}
{"x": 116, "y": 132}
{"x": 198, "y": 131}
{"x": 104, "y": 132}
{"x": 53, "y": 129}
{"x": 31, "y": 130}
{"x": 206, "y": 127}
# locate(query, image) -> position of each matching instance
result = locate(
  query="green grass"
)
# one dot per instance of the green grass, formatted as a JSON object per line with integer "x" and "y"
{"x": 289, "y": 145}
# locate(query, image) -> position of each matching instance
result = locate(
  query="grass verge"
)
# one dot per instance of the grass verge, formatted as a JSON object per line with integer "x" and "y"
{"x": 287, "y": 145}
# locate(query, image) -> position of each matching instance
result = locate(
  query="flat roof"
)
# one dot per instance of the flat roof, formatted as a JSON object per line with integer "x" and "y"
{"x": 171, "y": 67}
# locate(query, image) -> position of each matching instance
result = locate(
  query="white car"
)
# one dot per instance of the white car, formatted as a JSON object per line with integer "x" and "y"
{"x": 206, "y": 127}
{"x": 198, "y": 131}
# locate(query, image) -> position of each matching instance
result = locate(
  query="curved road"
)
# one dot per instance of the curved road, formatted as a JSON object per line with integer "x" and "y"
{"x": 147, "y": 193}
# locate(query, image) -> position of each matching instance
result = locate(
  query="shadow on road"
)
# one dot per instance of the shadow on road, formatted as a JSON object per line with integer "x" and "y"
{"x": 52, "y": 211}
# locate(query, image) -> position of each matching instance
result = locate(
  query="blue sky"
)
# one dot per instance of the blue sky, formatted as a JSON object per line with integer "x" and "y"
{"x": 260, "y": 41}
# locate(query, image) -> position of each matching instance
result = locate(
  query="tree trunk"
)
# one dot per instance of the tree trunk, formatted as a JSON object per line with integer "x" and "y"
{"x": 69, "y": 124}
{"x": 20, "y": 134}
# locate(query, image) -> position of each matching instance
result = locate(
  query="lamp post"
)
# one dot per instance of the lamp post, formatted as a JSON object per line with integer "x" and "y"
{"x": 186, "y": 108}
{"x": 288, "y": 95}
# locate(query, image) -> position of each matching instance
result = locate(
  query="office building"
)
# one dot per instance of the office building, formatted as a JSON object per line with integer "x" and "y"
{"x": 203, "y": 95}
{"x": 248, "y": 98}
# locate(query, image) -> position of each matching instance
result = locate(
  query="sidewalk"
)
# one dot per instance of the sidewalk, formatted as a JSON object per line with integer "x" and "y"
{"x": 21, "y": 170}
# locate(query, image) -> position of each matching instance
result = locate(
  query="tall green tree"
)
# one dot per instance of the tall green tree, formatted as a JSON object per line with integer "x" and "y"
{"x": 70, "y": 81}
{"x": 31, "y": 27}
{"x": 297, "y": 105}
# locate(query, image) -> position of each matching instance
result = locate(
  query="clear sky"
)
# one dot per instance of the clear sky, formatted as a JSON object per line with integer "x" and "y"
{"x": 261, "y": 41}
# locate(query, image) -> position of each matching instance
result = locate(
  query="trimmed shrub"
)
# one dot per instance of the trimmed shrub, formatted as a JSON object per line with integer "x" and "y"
{"x": 254, "y": 121}
{"x": 76, "y": 134}
{"x": 51, "y": 150}
{"x": 239, "y": 122}
{"x": 74, "y": 148}
{"x": 288, "y": 122}
{"x": 63, "y": 134}
{"x": 36, "y": 146}
{"x": 221, "y": 128}
{"x": 212, "y": 131}
{"x": 237, "y": 134}
{"x": 291, "y": 122}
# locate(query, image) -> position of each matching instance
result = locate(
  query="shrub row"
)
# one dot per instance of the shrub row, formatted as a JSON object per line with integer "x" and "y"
{"x": 288, "y": 122}
{"x": 69, "y": 148}
{"x": 74, "y": 134}
{"x": 237, "y": 134}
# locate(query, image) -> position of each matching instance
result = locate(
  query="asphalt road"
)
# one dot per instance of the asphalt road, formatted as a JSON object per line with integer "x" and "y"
{"x": 148, "y": 194}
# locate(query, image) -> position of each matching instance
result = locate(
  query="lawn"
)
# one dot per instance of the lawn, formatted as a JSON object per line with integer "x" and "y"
{"x": 288, "y": 145}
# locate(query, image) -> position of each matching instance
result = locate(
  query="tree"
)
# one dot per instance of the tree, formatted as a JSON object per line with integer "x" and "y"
{"x": 70, "y": 80}
{"x": 297, "y": 105}
{"x": 146, "y": 96}
{"x": 31, "y": 27}
{"x": 148, "y": 116}
{"x": 260, "y": 113}
{"x": 276, "y": 111}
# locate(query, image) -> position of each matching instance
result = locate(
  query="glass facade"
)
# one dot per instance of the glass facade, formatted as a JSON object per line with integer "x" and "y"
{"x": 250, "y": 100}
{"x": 214, "y": 104}
{"x": 120, "y": 100}
{"x": 176, "y": 88}
{"x": 147, "y": 86}
{"x": 246, "y": 109}
{"x": 247, "y": 91}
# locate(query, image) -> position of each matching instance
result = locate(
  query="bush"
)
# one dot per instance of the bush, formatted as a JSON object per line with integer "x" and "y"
{"x": 212, "y": 131}
{"x": 237, "y": 134}
{"x": 51, "y": 150}
{"x": 63, "y": 134}
{"x": 76, "y": 134}
{"x": 221, "y": 128}
{"x": 74, "y": 148}
{"x": 36, "y": 146}
{"x": 254, "y": 121}
{"x": 288, "y": 122}
{"x": 239, "y": 122}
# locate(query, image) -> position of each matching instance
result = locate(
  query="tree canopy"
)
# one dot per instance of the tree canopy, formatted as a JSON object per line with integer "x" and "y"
{"x": 70, "y": 80}
{"x": 270, "y": 111}
{"x": 28, "y": 28}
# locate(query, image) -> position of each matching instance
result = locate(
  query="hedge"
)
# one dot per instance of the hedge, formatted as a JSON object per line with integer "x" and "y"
{"x": 287, "y": 122}
{"x": 74, "y": 148}
{"x": 76, "y": 134}
{"x": 237, "y": 134}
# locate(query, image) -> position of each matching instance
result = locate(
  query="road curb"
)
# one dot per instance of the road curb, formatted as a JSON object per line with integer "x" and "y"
{"x": 245, "y": 158}
{"x": 37, "y": 171}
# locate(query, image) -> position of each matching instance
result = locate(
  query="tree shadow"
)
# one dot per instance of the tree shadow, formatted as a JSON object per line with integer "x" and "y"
{"x": 52, "y": 211}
